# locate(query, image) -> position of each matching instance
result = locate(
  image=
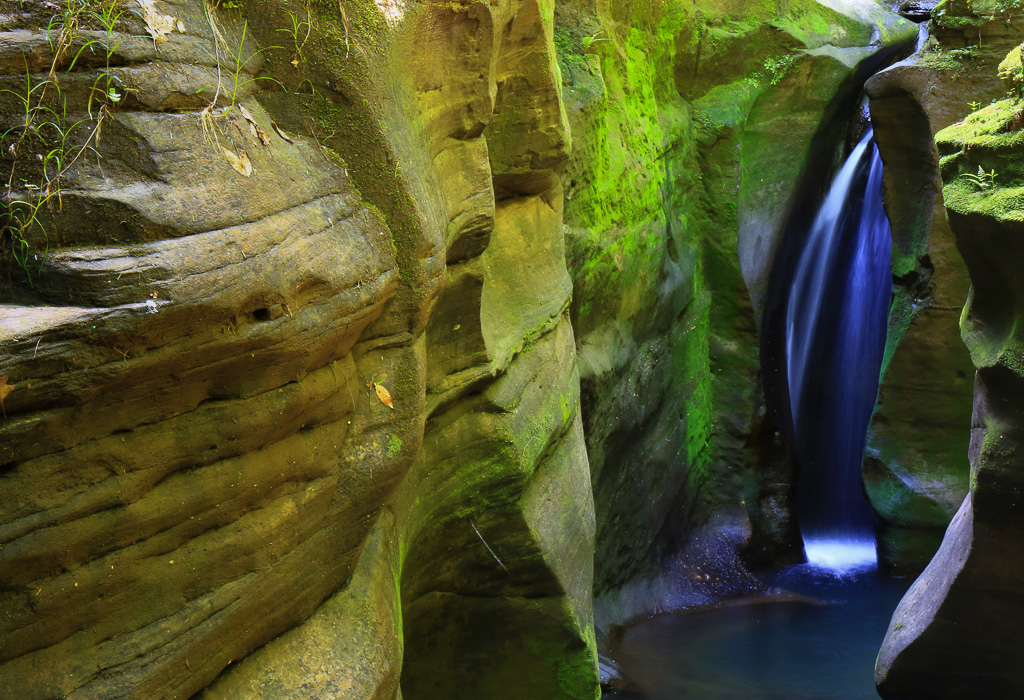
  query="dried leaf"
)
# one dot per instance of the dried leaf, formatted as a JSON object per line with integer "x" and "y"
{"x": 384, "y": 395}
{"x": 158, "y": 24}
{"x": 281, "y": 132}
{"x": 257, "y": 130}
{"x": 241, "y": 163}
{"x": 6, "y": 389}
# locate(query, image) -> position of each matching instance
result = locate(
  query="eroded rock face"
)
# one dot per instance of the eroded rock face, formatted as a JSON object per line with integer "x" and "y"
{"x": 915, "y": 472}
{"x": 917, "y": 10}
{"x": 310, "y": 398}
{"x": 690, "y": 127}
{"x": 198, "y": 456}
{"x": 957, "y": 631}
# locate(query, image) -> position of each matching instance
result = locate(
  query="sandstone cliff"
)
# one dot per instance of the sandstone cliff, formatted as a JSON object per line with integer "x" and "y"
{"x": 349, "y": 349}
{"x": 957, "y": 632}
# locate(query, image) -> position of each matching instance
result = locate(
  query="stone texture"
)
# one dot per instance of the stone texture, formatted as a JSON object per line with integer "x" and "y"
{"x": 917, "y": 10}
{"x": 914, "y": 474}
{"x": 202, "y": 491}
{"x": 957, "y": 631}
{"x": 663, "y": 189}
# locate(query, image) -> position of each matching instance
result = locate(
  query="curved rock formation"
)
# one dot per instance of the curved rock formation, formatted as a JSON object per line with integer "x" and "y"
{"x": 914, "y": 469}
{"x": 336, "y": 338}
{"x": 957, "y": 632}
{"x": 272, "y": 349}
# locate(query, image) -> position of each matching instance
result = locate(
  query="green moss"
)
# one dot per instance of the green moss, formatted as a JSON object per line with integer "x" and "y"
{"x": 902, "y": 313}
{"x": 996, "y": 126}
{"x": 576, "y": 675}
{"x": 969, "y": 15}
{"x": 728, "y": 105}
{"x": 955, "y": 61}
{"x": 691, "y": 357}
{"x": 1011, "y": 69}
{"x": 394, "y": 446}
{"x": 982, "y": 176}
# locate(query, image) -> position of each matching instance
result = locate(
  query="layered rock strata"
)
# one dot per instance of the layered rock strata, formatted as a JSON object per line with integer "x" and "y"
{"x": 278, "y": 368}
{"x": 957, "y": 632}
{"x": 915, "y": 474}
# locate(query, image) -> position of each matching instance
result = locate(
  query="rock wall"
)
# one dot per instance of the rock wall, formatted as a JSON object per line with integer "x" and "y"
{"x": 677, "y": 193}
{"x": 278, "y": 375}
{"x": 337, "y": 339}
{"x": 915, "y": 472}
{"x": 956, "y": 632}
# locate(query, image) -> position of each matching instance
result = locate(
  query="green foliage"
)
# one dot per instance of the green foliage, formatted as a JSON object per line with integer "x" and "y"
{"x": 983, "y": 180}
{"x": 779, "y": 66}
{"x": 235, "y": 64}
{"x": 955, "y": 61}
{"x": 238, "y": 62}
{"x": 964, "y": 55}
{"x": 299, "y": 31}
{"x": 589, "y": 41}
{"x": 47, "y": 142}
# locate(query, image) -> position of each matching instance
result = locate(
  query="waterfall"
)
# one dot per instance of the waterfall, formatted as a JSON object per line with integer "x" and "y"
{"x": 835, "y": 328}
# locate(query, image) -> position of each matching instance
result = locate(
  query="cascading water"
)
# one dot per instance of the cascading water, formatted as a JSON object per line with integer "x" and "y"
{"x": 824, "y": 336}
{"x": 835, "y": 328}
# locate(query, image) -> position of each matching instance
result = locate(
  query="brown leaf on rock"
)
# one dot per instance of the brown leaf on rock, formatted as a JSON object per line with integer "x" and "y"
{"x": 5, "y": 390}
{"x": 281, "y": 132}
{"x": 241, "y": 163}
{"x": 257, "y": 130}
{"x": 384, "y": 395}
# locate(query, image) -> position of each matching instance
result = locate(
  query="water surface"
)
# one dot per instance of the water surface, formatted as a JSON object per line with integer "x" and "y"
{"x": 800, "y": 650}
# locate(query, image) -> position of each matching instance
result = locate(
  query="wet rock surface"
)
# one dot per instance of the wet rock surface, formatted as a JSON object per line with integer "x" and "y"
{"x": 916, "y": 468}
{"x": 957, "y": 630}
{"x": 266, "y": 383}
{"x": 917, "y": 10}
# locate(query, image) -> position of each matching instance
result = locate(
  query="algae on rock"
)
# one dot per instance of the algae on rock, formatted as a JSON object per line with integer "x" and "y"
{"x": 676, "y": 194}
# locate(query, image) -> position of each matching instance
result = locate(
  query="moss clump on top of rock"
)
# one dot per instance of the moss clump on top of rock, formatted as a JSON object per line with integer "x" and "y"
{"x": 1012, "y": 71}
{"x": 981, "y": 164}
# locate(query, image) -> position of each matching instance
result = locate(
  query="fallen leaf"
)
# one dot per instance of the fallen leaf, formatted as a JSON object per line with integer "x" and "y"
{"x": 158, "y": 24}
{"x": 241, "y": 163}
{"x": 384, "y": 395}
{"x": 6, "y": 389}
{"x": 281, "y": 132}
{"x": 256, "y": 128}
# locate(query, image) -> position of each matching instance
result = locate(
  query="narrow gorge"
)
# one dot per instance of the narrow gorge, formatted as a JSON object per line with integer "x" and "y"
{"x": 456, "y": 350}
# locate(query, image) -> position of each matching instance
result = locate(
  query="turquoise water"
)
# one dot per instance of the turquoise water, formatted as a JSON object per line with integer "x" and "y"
{"x": 820, "y": 649}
